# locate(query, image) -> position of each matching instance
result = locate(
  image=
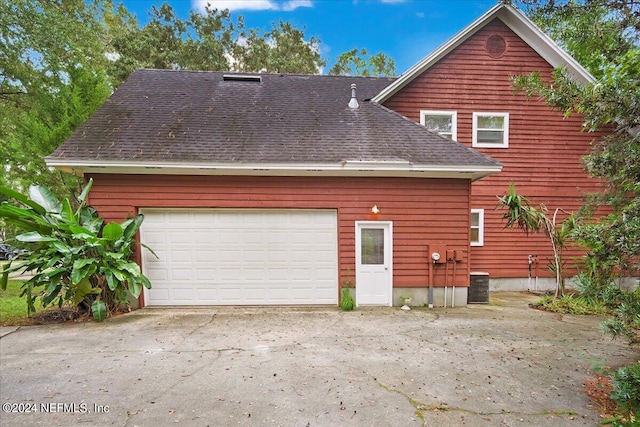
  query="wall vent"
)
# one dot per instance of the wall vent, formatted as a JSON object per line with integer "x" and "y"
{"x": 242, "y": 78}
{"x": 496, "y": 46}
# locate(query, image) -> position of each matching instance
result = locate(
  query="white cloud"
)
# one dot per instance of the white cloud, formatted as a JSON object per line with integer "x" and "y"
{"x": 232, "y": 5}
{"x": 294, "y": 4}
{"x": 420, "y": 14}
{"x": 286, "y": 6}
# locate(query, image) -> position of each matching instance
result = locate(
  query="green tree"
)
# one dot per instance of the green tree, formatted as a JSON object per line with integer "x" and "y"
{"x": 282, "y": 49}
{"x": 359, "y": 63}
{"x": 212, "y": 41}
{"x": 595, "y": 32}
{"x": 604, "y": 35}
{"x": 51, "y": 79}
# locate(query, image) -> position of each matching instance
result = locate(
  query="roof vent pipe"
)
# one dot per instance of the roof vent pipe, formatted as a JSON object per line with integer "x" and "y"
{"x": 353, "y": 103}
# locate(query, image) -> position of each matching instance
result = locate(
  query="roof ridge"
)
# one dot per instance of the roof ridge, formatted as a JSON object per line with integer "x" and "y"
{"x": 167, "y": 70}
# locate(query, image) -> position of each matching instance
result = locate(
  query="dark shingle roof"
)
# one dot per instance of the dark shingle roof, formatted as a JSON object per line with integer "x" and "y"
{"x": 188, "y": 117}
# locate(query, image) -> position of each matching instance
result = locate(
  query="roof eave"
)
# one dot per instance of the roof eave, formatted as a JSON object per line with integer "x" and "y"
{"x": 342, "y": 169}
{"x": 519, "y": 24}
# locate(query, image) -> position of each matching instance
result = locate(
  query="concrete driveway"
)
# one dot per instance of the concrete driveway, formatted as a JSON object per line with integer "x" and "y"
{"x": 484, "y": 365}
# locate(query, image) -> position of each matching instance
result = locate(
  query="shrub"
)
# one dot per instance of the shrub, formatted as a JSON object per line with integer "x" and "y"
{"x": 571, "y": 304}
{"x": 594, "y": 288}
{"x": 626, "y": 317}
{"x": 346, "y": 300}
{"x": 626, "y": 391}
{"x": 74, "y": 258}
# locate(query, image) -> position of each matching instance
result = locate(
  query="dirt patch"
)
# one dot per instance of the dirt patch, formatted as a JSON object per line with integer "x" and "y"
{"x": 60, "y": 315}
{"x": 57, "y": 315}
{"x": 598, "y": 389}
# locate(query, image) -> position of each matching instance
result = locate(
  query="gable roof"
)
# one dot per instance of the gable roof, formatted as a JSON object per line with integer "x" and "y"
{"x": 184, "y": 122}
{"x": 519, "y": 24}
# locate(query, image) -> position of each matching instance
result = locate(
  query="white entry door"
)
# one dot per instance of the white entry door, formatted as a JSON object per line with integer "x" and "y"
{"x": 374, "y": 263}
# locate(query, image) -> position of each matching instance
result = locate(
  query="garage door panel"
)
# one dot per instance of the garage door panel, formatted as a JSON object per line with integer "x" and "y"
{"x": 161, "y": 294}
{"x": 181, "y": 294}
{"x": 155, "y": 237}
{"x": 183, "y": 275}
{"x": 223, "y": 257}
{"x": 206, "y": 295}
{"x": 204, "y": 236}
{"x": 179, "y": 256}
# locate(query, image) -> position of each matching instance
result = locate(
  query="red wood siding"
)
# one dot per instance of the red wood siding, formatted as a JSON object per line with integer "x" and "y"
{"x": 423, "y": 211}
{"x": 545, "y": 149}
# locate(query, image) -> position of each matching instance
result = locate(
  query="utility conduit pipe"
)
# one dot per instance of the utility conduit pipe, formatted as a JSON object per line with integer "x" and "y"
{"x": 431, "y": 264}
{"x": 453, "y": 284}
{"x": 446, "y": 276}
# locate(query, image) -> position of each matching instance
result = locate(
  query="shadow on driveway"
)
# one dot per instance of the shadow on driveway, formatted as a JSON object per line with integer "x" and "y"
{"x": 496, "y": 364}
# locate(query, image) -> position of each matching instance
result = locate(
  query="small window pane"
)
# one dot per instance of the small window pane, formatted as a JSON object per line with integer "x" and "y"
{"x": 438, "y": 123}
{"x": 491, "y": 122}
{"x": 490, "y": 137}
{"x": 477, "y": 227}
{"x": 475, "y": 219}
{"x": 372, "y": 246}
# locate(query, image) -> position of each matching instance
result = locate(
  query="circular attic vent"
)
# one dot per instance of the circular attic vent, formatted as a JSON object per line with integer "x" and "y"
{"x": 496, "y": 46}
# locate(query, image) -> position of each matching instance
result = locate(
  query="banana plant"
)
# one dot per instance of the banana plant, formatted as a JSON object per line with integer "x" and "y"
{"x": 521, "y": 215}
{"x": 73, "y": 257}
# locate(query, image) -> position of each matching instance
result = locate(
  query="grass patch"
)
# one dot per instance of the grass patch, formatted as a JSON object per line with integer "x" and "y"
{"x": 13, "y": 307}
{"x": 572, "y": 304}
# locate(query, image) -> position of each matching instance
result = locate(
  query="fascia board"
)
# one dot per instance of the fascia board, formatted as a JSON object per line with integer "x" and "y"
{"x": 519, "y": 24}
{"x": 349, "y": 168}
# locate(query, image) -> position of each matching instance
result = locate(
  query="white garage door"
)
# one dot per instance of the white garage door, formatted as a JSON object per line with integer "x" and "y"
{"x": 240, "y": 257}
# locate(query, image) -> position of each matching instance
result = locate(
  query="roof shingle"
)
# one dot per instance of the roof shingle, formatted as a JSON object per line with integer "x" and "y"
{"x": 189, "y": 117}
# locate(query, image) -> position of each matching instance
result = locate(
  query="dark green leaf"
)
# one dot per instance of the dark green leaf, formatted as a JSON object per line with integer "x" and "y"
{"x": 82, "y": 198}
{"x": 112, "y": 231}
{"x": 111, "y": 280}
{"x": 145, "y": 281}
{"x": 82, "y": 269}
{"x": 22, "y": 199}
{"x": 131, "y": 226}
{"x": 67, "y": 211}
{"x": 45, "y": 198}
{"x": 89, "y": 219}
{"x": 150, "y": 250}
{"x": 33, "y": 237}
{"x": 135, "y": 287}
{"x": 99, "y": 310}
{"x": 83, "y": 288}
{"x": 4, "y": 279}
{"x": 62, "y": 247}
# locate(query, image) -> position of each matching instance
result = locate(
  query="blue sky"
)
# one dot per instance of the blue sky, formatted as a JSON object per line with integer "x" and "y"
{"x": 406, "y": 30}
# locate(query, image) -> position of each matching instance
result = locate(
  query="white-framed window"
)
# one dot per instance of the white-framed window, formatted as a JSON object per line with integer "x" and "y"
{"x": 490, "y": 130}
{"x": 443, "y": 122}
{"x": 477, "y": 227}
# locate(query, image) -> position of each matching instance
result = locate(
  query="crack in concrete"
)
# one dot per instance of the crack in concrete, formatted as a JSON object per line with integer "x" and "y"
{"x": 197, "y": 328}
{"x": 4, "y": 334}
{"x": 422, "y": 407}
